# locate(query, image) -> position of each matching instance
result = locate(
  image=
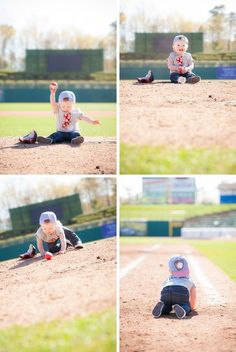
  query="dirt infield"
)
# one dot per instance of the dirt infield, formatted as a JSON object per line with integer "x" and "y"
{"x": 76, "y": 283}
{"x": 211, "y": 327}
{"x": 177, "y": 115}
{"x": 97, "y": 155}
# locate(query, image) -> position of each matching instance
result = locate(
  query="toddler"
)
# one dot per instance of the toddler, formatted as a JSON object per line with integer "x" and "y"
{"x": 67, "y": 116}
{"x": 52, "y": 235}
{"x": 180, "y": 63}
{"x": 178, "y": 292}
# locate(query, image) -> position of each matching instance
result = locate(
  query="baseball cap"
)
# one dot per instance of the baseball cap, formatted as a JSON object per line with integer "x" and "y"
{"x": 180, "y": 37}
{"x": 47, "y": 215}
{"x": 178, "y": 266}
{"x": 67, "y": 94}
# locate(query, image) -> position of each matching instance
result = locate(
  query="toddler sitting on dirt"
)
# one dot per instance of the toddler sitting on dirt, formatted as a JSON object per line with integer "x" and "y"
{"x": 178, "y": 292}
{"x": 53, "y": 235}
{"x": 180, "y": 63}
{"x": 67, "y": 116}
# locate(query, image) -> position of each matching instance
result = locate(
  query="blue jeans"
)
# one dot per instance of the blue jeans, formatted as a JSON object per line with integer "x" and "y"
{"x": 171, "y": 295}
{"x": 175, "y": 75}
{"x": 59, "y": 137}
{"x": 71, "y": 237}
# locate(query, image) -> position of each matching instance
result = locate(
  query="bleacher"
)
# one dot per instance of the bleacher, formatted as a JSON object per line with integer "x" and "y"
{"x": 222, "y": 219}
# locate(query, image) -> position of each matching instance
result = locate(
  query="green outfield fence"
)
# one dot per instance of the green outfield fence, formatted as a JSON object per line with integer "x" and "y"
{"x": 81, "y": 61}
{"x": 87, "y": 233}
{"x": 96, "y": 93}
{"x": 162, "y": 42}
{"x": 132, "y": 70}
{"x": 25, "y": 219}
{"x": 151, "y": 228}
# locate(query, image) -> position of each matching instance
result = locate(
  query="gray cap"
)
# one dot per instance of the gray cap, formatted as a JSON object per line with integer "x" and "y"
{"x": 48, "y": 215}
{"x": 178, "y": 266}
{"x": 180, "y": 37}
{"x": 67, "y": 94}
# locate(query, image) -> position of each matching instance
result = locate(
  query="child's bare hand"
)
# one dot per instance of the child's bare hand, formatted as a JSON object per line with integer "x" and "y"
{"x": 61, "y": 252}
{"x": 182, "y": 70}
{"x": 53, "y": 87}
{"x": 96, "y": 122}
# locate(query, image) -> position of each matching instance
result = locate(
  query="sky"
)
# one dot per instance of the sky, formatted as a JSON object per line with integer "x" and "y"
{"x": 207, "y": 185}
{"x": 89, "y": 16}
{"x": 197, "y": 11}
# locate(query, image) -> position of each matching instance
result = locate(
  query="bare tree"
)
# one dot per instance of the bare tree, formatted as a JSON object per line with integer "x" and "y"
{"x": 6, "y": 33}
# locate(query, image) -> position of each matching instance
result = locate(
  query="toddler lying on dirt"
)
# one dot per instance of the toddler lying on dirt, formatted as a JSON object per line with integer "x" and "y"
{"x": 178, "y": 292}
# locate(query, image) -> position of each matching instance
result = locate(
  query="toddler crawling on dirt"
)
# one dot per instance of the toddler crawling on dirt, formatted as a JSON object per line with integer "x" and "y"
{"x": 54, "y": 236}
{"x": 67, "y": 116}
{"x": 178, "y": 292}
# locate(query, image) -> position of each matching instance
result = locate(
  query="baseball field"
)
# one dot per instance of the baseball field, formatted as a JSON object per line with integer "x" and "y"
{"x": 210, "y": 327}
{"x": 65, "y": 305}
{"x": 96, "y": 156}
{"x": 177, "y": 129}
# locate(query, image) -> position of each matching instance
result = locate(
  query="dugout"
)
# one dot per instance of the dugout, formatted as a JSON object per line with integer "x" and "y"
{"x": 151, "y": 228}
{"x": 25, "y": 219}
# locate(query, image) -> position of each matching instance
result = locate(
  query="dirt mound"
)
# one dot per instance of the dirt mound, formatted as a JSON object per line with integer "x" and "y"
{"x": 97, "y": 155}
{"x": 178, "y": 115}
{"x": 76, "y": 283}
{"x": 211, "y": 327}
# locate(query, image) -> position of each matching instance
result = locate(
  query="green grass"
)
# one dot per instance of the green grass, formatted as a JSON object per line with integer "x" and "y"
{"x": 170, "y": 212}
{"x": 163, "y": 160}
{"x": 146, "y": 240}
{"x": 221, "y": 253}
{"x": 45, "y": 125}
{"x": 47, "y": 107}
{"x": 96, "y": 332}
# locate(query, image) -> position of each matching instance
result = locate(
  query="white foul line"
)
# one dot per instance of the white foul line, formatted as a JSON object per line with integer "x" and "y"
{"x": 136, "y": 262}
{"x": 212, "y": 294}
{"x": 131, "y": 266}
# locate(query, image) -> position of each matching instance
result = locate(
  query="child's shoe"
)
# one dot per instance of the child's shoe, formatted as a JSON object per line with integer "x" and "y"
{"x": 181, "y": 80}
{"x": 29, "y": 138}
{"x": 77, "y": 140}
{"x": 158, "y": 309}
{"x": 44, "y": 140}
{"x": 147, "y": 79}
{"x": 30, "y": 253}
{"x": 78, "y": 245}
{"x": 193, "y": 79}
{"x": 179, "y": 311}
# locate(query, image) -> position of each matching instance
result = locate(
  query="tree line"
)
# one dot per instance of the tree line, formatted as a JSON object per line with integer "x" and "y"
{"x": 95, "y": 193}
{"x": 13, "y": 43}
{"x": 219, "y": 30}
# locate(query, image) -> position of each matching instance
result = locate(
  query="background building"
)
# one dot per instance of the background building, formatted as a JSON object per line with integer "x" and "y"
{"x": 174, "y": 190}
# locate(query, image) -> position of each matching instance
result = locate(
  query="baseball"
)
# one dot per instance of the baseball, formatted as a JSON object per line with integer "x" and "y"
{"x": 48, "y": 256}
{"x": 53, "y": 85}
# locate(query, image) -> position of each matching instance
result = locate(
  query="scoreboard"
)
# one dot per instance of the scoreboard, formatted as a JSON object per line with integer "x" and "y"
{"x": 169, "y": 190}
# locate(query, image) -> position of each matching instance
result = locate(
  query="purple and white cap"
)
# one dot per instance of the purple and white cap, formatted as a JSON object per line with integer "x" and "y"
{"x": 180, "y": 37}
{"x": 178, "y": 266}
{"x": 67, "y": 94}
{"x": 48, "y": 215}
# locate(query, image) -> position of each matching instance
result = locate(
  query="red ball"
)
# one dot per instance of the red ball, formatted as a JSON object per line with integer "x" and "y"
{"x": 48, "y": 256}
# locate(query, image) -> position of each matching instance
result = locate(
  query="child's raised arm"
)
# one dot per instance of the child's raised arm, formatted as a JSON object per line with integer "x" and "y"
{"x": 53, "y": 88}
{"x": 193, "y": 297}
